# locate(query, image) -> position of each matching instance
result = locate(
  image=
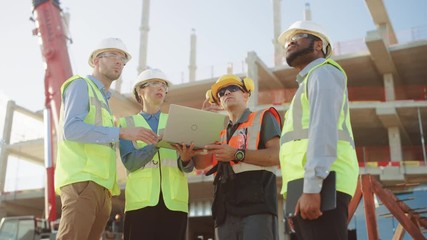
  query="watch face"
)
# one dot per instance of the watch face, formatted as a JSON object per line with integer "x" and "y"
{"x": 240, "y": 155}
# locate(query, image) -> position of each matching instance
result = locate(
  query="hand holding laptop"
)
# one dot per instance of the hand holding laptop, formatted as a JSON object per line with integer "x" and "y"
{"x": 186, "y": 152}
{"x": 187, "y": 125}
{"x": 222, "y": 152}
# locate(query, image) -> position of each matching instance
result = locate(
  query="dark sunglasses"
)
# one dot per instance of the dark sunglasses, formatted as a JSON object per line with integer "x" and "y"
{"x": 231, "y": 88}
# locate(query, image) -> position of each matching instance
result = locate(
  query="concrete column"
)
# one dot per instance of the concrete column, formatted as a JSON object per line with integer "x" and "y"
{"x": 389, "y": 87}
{"x": 394, "y": 173}
{"x": 278, "y": 51}
{"x": 144, "y": 36}
{"x": 253, "y": 73}
{"x": 192, "y": 67}
{"x": 5, "y": 141}
{"x": 395, "y": 144}
{"x": 383, "y": 29}
{"x": 307, "y": 12}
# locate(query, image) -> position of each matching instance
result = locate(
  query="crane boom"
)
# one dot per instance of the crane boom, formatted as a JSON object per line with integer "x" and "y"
{"x": 53, "y": 44}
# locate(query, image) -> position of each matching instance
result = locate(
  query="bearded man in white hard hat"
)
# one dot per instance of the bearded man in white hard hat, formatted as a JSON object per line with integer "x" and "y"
{"x": 85, "y": 175}
{"x": 317, "y": 140}
{"x": 156, "y": 205}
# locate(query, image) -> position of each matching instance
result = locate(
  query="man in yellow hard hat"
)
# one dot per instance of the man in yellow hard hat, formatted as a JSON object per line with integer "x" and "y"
{"x": 85, "y": 176}
{"x": 245, "y": 201}
{"x": 317, "y": 137}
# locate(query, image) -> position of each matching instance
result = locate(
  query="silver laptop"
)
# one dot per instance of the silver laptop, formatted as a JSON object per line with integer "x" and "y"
{"x": 190, "y": 125}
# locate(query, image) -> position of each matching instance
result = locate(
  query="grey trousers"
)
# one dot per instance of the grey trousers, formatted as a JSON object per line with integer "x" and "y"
{"x": 253, "y": 227}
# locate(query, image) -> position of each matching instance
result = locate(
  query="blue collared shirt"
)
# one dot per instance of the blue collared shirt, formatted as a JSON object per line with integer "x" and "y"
{"x": 76, "y": 108}
{"x": 325, "y": 88}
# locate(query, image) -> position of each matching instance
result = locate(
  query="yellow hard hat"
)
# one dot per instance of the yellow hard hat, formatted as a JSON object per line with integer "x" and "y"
{"x": 246, "y": 83}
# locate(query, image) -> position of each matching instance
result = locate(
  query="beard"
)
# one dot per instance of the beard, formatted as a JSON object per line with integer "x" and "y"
{"x": 292, "y": 56}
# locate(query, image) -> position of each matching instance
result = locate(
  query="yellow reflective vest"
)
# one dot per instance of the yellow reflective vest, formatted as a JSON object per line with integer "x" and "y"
{"x": 143, "y": 186}
{"x": 77, "y": 162}
{"x": 294, "y": 140}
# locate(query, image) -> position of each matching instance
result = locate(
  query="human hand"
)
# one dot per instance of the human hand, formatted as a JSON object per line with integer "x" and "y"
{"x": 308, "y": 206}
{"x": 186, "y": 152}
{"x": 212, "y": 107}
{"x": 222, "y": 152}
{"x": 139, "y": 133}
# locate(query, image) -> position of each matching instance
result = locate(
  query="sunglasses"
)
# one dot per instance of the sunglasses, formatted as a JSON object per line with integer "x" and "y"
{"x": 156, "y": 84}
{"x": 299, "y": 36}
{"x": 231, "y": 88}
{"x": 114, "y": 56}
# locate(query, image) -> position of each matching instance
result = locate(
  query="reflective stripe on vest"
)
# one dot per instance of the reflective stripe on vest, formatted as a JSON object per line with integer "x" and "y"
{"x": 247, "y": 136}
{"x": 294, "y": 140}
{"x": 144, "y": 185}
{"x": 298, "y": 131}
{"x": 170, "y": 162}
{"x": 78, "y": 162}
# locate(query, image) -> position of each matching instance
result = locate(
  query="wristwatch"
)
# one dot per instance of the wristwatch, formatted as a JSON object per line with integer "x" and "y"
{"x": 239, "y": 156}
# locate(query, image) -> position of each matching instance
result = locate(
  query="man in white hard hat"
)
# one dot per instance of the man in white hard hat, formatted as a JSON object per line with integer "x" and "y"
{"x": 245, "y": 198}
{"x": 156, "y": 205}
{"x": 85, "y": 176}
{"x": 317, "y": 137}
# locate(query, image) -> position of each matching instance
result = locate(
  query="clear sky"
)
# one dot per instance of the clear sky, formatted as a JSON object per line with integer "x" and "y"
{"x": 226, "y": 30}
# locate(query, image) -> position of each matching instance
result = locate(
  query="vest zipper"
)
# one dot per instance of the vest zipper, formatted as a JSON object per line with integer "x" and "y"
{"x": 160, "y": 170}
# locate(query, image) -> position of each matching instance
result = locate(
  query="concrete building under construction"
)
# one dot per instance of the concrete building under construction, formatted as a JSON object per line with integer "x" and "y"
{"x": 387, "y": 88}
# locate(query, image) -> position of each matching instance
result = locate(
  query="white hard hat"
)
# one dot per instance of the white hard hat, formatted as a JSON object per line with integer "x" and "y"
{"x": 149, "y": 74}
{"x": 307, "y": 27}
{"x": 109, "y": 44}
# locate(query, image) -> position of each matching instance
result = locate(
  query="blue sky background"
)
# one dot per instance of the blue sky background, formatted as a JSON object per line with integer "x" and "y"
{"x": 226, "y": 31}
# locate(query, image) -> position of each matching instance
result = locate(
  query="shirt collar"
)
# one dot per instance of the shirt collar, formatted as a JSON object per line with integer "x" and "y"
{"x": 148, "y": 116}
{"x": 301, "y": 75}
{"x": 242, "y": 118}
{"x": 100, "y": 86}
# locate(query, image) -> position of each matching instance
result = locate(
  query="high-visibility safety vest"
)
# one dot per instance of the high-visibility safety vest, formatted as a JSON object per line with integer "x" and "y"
{"x": 294, "y": 140}
{"x": 253, "y": 189}
{"x": 143, "y": 186}
{"x": 77, "y": 162}
{"x": 247, "y": 136}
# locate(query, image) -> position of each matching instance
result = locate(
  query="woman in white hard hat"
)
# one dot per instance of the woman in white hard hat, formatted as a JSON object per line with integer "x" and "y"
{"x": 156, "y": 204}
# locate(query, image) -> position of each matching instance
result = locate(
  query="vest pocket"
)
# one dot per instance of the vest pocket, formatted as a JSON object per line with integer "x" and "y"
{"x": 139, "y": 187}
{"x": 98, "y": 160}
{"x": 178, "y": 185}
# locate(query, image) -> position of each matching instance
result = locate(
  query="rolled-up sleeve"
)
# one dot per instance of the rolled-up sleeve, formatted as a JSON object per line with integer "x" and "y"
{"x": 134, "y": 159}
{"x": 76, "y": 108}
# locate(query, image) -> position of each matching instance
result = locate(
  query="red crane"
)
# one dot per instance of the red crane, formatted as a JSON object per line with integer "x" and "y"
{"x": 53, "y": 44}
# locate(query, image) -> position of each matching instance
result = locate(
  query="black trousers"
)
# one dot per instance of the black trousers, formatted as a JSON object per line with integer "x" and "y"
{"x": 155, "y": 223}
{"x": 332, "y": 225}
